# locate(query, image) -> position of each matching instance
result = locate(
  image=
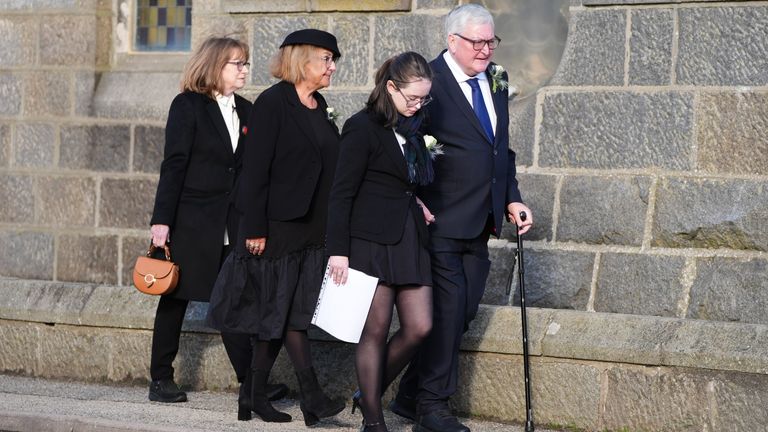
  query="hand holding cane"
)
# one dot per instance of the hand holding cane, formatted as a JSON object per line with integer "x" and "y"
{"x": 526, "y": 363}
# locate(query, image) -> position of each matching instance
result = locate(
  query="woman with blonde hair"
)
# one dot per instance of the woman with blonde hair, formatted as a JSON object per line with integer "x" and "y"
{"x": 269, "y": 286}
{"x": 204, "y": 137}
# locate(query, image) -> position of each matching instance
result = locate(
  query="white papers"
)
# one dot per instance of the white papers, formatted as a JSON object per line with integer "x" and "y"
{"x": 342, "y": 309}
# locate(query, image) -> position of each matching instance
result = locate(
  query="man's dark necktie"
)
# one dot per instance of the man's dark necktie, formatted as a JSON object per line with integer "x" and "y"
{"x": 478, "y": 104}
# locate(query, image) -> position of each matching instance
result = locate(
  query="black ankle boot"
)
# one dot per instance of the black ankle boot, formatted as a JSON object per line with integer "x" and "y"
{"x": 260, "y": 401}
{"x": 274, "y": 392}
{"x": 314, "y": 403}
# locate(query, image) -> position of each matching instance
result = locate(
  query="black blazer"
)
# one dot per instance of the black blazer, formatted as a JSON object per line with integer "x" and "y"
{"x": 371, "y": 195}
{"x": 197, "y": 175}
{"x": 281, "y": 163}
{"x": 475, "y": 175}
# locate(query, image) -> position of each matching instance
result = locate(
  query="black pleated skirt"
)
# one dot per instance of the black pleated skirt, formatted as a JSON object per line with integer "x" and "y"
{"x": 403, "y": 263}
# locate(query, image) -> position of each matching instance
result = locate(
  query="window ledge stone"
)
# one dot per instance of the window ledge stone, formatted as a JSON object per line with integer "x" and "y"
{"x": 151, "y": 62}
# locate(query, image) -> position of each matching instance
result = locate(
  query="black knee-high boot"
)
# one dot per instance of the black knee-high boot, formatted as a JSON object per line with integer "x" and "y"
{"x": 314, "y": 403}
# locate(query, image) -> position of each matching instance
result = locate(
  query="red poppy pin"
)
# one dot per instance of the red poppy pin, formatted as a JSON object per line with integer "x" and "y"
{"x": 244, "y": 130}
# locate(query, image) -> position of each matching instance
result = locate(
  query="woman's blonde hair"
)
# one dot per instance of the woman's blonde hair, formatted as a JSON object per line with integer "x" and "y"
{"x": 202, "y": 74}
{"x": 289, "y": 62}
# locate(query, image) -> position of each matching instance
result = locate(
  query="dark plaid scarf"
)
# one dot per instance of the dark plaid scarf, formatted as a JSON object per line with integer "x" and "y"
{"x": 420, "y": 169}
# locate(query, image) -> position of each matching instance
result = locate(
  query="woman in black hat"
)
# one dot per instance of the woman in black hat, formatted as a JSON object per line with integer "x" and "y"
{"x": 269, "y": 286}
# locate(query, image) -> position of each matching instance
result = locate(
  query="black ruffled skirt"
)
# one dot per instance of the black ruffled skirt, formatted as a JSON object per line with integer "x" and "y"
{"x": 266, "y": 296}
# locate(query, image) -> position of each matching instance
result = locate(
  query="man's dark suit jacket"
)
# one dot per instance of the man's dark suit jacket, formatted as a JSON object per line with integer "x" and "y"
{"x": 371, "y": 196}
{"x": 198, "y": 173}
{"x": 282, "y": 161}
{"x": 474, "y": 175}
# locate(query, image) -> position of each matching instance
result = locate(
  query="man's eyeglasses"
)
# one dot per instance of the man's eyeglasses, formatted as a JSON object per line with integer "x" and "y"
{"x": 239, "y": 64}
{"x": 478, "y": 45}
{"x": 328, "y": 60}
{"x": 412, "y": 101}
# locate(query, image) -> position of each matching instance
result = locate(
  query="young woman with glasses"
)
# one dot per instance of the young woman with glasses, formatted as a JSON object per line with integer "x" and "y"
{"x": 377, "y": 225}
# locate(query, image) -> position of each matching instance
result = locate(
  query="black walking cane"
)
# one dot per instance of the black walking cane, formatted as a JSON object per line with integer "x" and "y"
{"x": 526, "y": 362}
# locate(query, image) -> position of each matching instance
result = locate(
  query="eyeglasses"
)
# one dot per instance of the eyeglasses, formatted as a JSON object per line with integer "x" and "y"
{"x": 478, "y": 45}
{"x": 239, "y": 64}
{"x": 412, "y": 101}
{"x": 328, "y": 60}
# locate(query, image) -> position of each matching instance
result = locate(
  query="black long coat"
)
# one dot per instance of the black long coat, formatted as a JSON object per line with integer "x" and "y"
{"x": 194, "y": 194}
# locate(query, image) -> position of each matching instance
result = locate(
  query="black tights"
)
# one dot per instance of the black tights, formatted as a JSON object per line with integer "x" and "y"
{"x": 296, "y": 344}
{"x": 377, "y": 362}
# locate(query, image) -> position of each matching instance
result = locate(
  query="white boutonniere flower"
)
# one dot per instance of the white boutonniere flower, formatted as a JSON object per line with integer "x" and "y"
{"x": 433, "y": 147}
{"x": 497, "y": 78}
{"x": 331, "y": 114}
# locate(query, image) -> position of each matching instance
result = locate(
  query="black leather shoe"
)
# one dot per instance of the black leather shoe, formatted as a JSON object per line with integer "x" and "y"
{"x": 439, "y": 421}
{"x": 404, "y": 407}
{"x": 166, "y": 390}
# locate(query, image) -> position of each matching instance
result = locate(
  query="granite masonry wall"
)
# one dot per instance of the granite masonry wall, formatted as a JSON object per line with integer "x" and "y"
{"x": 644, "y": 160}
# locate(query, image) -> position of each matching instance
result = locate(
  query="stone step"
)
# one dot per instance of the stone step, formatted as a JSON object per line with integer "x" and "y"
{"x": 33, "y": 405}
{"x": 589, "y": 370}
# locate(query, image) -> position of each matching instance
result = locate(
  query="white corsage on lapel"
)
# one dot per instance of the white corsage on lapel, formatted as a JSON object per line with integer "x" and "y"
{"x": 497, "y": 78}
{"x": 434, "y": 148}
{"x": 331, "y": 115}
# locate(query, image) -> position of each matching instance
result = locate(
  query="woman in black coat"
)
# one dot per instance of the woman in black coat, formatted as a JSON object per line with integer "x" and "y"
{"x": 204, "y": 138}
{"x": 270, "y": 284}
{"x": 377, "y": 225}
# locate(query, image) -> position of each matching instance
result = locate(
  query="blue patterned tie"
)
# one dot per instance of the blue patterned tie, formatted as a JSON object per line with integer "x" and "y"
{"x": 478, "y": 104}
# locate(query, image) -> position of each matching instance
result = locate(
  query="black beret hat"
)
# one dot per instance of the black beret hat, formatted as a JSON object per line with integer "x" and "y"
{"x": 314, "y": 37}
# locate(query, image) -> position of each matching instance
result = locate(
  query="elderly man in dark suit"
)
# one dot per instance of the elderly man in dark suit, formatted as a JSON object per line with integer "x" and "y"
{"x": 474, "y": 188}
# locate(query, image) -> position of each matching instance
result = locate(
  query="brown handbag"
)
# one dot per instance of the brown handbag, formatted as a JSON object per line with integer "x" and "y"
{"x": 155, "y": 276}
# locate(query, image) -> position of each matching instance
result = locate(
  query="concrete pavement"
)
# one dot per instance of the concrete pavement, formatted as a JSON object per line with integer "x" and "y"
{"x": 37, "y": 405}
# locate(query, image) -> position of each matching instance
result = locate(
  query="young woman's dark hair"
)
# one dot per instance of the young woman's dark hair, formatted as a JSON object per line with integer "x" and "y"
{"x": 401, "y": 69}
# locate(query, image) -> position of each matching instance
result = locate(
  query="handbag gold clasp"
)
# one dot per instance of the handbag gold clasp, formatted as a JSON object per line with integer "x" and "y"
{"x": 149, "y": 279}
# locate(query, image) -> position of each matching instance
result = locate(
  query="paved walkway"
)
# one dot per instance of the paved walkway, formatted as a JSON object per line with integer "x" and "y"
{"x": 36, "y": 405}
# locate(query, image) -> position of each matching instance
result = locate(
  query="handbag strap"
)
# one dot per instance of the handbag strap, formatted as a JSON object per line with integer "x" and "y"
{"x": 152, "y": 249}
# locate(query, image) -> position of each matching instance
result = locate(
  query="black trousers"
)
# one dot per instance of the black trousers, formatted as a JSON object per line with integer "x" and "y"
{"x": 167, "y": 332}
{"x": 459, "y": 271}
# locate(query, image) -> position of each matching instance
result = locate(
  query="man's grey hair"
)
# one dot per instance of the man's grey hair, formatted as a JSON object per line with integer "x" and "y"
{"x": 461, "y": 16}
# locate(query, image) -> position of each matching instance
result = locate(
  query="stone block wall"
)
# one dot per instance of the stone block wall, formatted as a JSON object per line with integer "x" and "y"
{"x": 648, "y": 164}
{"x": 57, "y": 160}
{"x": 644, "y": 159}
